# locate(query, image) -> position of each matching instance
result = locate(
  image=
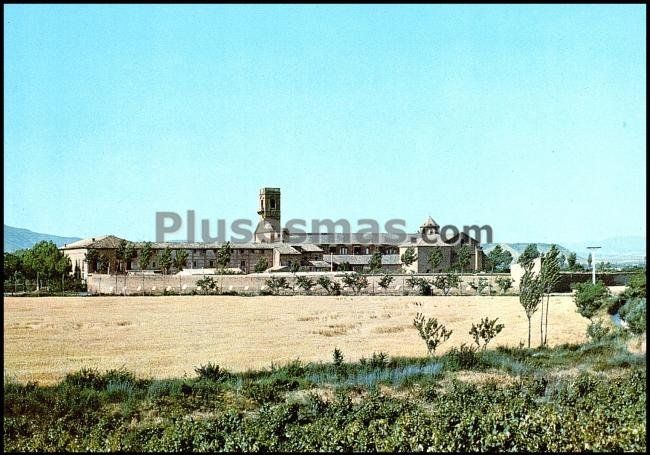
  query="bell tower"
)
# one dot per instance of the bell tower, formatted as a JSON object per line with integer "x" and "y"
{"x": 268, "y": 228}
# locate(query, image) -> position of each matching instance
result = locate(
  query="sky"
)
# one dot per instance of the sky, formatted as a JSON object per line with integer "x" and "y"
{"x": 529, "y": 118}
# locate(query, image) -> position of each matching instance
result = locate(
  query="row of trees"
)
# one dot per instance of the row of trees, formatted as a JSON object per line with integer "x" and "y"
{"x": 126, "y": 252}
{"x": 434, "y": 258}
{"x": 565, "y": 263}
{"x": 42, "y": 264}
{"x": 534, "y": 287}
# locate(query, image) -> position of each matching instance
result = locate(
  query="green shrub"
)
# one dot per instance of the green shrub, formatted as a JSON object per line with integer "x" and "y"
{"x": 636, "y": 286}
{"x": 590, "y": 297}
{"x": 463, "y": 358}
{"x": 423, "y": 285}
{"x": 379, "y": 360}
{"x": 634, "y": 313}
{"x": 485, "y": 331}
{"x": 337, "y": 356}
{"x": 211, "y": 372}
{"x": 596, "y": 331}
{"x": 431, "y": 331}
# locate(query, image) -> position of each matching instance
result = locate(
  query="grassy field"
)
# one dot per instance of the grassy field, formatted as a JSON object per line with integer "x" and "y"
{"x": 165, "y": 337}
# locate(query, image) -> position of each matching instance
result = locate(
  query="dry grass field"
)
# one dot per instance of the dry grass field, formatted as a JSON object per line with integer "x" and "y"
{"x": 45, "y": 338}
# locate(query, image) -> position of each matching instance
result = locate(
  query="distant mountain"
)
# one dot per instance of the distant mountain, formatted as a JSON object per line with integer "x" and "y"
{"x": 624, "y": 250}
{"x": 516, "y": 249}
{"x": 17, "y": 238}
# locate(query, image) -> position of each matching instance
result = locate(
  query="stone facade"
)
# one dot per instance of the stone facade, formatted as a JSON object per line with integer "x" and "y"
{"x": 282, "y": 249}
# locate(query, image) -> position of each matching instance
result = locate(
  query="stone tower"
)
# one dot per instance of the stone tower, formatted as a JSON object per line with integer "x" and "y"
{"x": 268, "y": 228}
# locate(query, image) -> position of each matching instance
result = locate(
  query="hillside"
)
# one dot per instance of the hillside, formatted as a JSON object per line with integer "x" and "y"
{"x": 17, "y": 238}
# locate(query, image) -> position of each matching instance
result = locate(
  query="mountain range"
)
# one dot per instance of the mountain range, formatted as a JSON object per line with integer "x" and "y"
{"x": 17, "y": 238}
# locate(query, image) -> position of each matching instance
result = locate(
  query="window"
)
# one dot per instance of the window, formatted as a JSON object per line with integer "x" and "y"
{"x": 242, "y": 265}
{"x": 193, "y": 263}
{"x": 211, "y": 263}
{"x": 272, "y": 203}
{"x": 153, "y": 264}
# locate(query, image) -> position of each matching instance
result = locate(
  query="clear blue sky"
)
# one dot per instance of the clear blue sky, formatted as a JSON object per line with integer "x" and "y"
{"x": 528, "y": 118}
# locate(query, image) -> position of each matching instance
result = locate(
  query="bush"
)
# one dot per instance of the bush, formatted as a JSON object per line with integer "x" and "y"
{"x": 379, "y": 360}
{"x": 432, "y": 332}
{"x": 633, "y": 312}
{"x": 463, "y": 358}
{"x": 423, "y": 286}
{"x": 276, "y": 284}
{"x": 504, "y": 283}
{"x": 337, "y": 356}
{"x": 211, "y": 372}
{"x": 636, "y": 286}
{"x": 485, "y": 331}
{"x": 590, "y": 297}
{"x": 596, "y": 331}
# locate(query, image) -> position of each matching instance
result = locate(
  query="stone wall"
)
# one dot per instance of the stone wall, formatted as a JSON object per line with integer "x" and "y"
{"x": 253, "y": 283}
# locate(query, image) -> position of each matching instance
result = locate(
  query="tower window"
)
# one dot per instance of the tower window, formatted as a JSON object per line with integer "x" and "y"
{"x": 272, "y": 203}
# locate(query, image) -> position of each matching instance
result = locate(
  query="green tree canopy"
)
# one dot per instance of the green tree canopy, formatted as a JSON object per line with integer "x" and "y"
{"x": 530, "y": 253}
{"x": 409, "y": 256}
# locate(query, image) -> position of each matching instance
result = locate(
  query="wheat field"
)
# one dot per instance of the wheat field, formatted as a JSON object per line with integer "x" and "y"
{"x": 162, "y": 337}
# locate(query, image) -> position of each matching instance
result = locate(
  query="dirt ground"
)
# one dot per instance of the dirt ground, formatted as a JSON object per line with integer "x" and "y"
{"x": 45, "y": 338}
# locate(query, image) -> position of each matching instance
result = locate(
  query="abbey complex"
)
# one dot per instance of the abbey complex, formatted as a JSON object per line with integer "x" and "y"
{"x": 282, "y": 249}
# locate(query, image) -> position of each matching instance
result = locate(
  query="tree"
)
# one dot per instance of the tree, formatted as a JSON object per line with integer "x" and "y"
{"x": 504, "y": 283}
{"x": 261, "y": 265}
{"x": 589, "y": 297}
{"x": 146, "y": 253}
{"x": 63, "y": 267}
{"x": 166, "y": 260}
{"x": 375, "y": 262}
{"x": 561, "y": 261}
{"x": 530, "y": 294}
{"x": 462, "y": 257}
{"x": 446, "y": 282}
{"x": 385, "y": 281}
{"x": 529, "y": 254}
{"x": 549, "y": 276}
{"x": 331, "y": 287}
{"x": 13, "y": 267}
{"x": 485, "y": 331}
{"x": 223, "y": 255}
{"x": 589, "y": 260}
{"x": 435, "y": 258}
{"x": 571, "y": 261}
{"x": 499, "y": 259}
{"x": 305, "y": 283}
{"x": 102, "y": 263}
{"x": 276, "y": 284}
{"x": 422, "y": 284}
{"x": 207, "y": 284}
{"x": 120, "y": 253}
{"x": 180, "y": 260}
{"x": 478, "y": 286}
{"x": 355, "y": 282}
{"x": 91, "y": 259}
{"x": 431, "y": 331}
{"x": 409, "y": 256}
{"x": 130, "y": 254}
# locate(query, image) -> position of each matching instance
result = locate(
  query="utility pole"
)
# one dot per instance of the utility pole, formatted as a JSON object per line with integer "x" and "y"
{"x": 593, "y": 263}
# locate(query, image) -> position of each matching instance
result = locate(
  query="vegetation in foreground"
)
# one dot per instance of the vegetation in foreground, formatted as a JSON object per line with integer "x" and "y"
{"x": 572, "y": 397}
